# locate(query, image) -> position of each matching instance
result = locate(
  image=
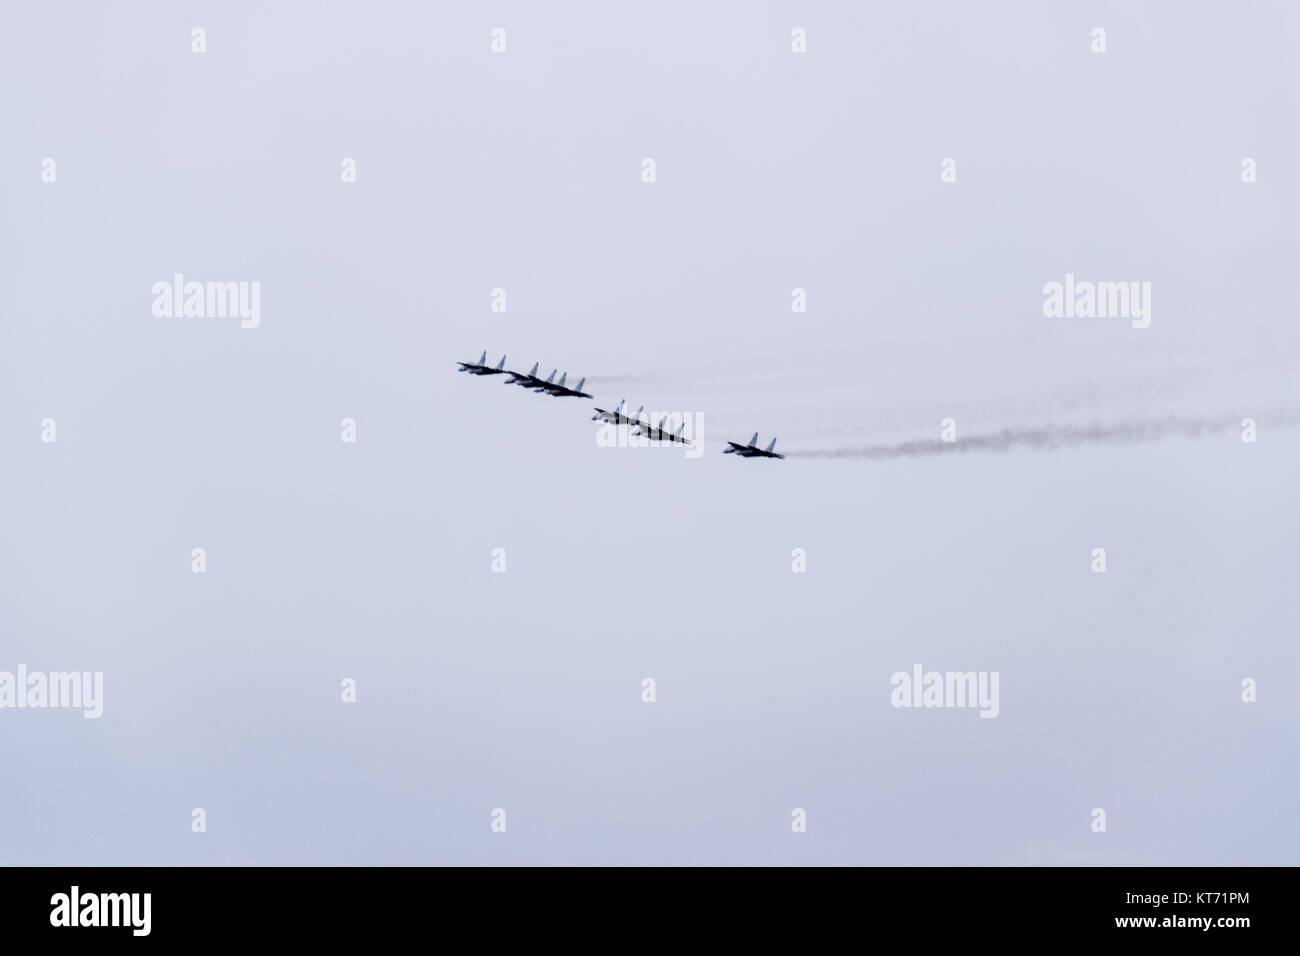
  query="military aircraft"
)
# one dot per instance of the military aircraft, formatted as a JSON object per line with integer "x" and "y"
{"x": 752, "y": 450}
{"x": 549, "y": 385}
{"x": 657, "y": 433}
{"x": 639, "y": 427}
{"x": 559, "y": 390}
{"x": 526, "y": 380}
{"x": 482, "y": 368}
{"x": 616, "y": 417}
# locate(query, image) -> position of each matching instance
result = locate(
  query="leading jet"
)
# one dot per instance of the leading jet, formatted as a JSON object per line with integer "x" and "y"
{"x": 752, "y": 450}
{"x": 482, "y": 368}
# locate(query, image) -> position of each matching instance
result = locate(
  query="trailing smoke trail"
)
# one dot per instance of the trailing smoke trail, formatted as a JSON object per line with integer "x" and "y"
{"x": 710, "y": 381}
{"x": 1049, "y": 439}
{"x": 626, "y": 379}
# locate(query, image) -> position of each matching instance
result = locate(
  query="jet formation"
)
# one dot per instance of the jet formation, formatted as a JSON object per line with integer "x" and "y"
{"x": 654, "y": 432}
{"x": 558, "y": 389}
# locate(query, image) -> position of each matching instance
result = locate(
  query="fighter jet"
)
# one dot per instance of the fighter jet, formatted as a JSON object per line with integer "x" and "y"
{"x": 529, "y": 380}
{"x": 559, "y": 390}
{"x": 657, "y": 433}
{"x": 612, "y": 418}
{"x": 616, "y": 417}
{"x": 537, "y": 385}
{"x": 752, "y": 450}
{"x": 549, "y": 385}
{"x": 481, "y": 368}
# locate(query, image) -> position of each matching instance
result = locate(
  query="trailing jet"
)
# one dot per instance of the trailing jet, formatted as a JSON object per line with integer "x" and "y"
{"x": 752, "y": 450}
{"x": 482, "y": 368}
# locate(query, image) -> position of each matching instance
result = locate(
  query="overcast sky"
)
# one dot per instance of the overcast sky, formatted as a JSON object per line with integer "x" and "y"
{"x": 774, "y": 170}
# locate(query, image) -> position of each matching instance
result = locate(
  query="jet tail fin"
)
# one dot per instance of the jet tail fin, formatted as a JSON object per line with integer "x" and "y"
{"x": 754, "y": 441}
{"x": 581, "y": 382}
{"x": 770, "y": 445}
{"x": 501, "y": 364}
{"x": 482, "y": 359}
